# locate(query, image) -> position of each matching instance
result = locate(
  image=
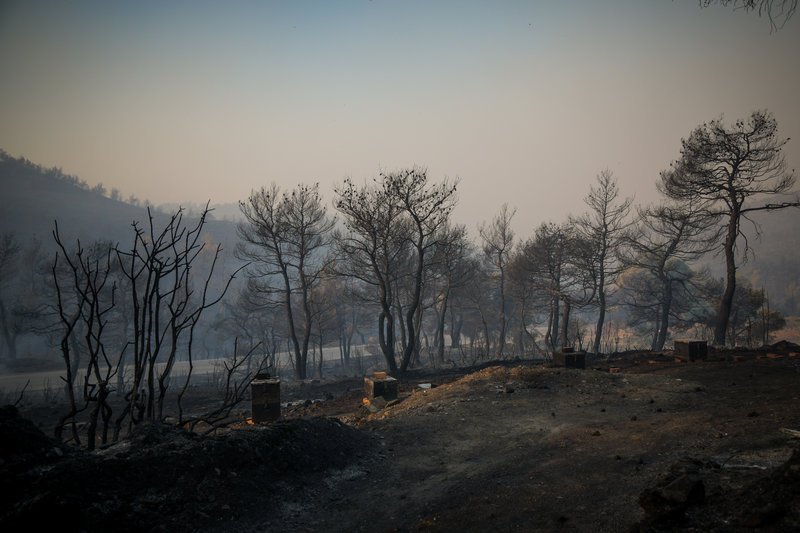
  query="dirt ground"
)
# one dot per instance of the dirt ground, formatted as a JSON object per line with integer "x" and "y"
{"x": 654, "y": 445}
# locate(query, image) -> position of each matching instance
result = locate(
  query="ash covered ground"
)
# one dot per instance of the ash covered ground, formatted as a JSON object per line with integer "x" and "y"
{"x": 654, "y": 445}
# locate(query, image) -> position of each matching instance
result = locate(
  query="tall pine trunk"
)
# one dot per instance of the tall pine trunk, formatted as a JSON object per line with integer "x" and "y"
{"x": 565, "y": 323}
{"x": 663, "y": 325}
{"x": 726, "y": 303}
{"x": 601, "y": 315}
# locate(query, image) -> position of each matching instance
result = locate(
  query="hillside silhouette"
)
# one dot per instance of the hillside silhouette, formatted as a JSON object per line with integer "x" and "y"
{"x": 35, "y": 197}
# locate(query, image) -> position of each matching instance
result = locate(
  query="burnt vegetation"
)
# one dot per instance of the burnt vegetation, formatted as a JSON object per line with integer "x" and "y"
{"x": 387, "y": 273}
{"x": 384, "y": 278}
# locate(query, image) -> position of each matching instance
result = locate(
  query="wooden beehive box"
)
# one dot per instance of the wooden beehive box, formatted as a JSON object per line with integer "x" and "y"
{"x": 691, "y": 350}
{"x": 265, "y": 395}
{"x": 570, "y": 359}
{"x": 380, "y": 384}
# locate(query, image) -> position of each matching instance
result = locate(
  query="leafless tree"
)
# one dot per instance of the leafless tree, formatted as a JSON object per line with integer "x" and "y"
{"x": 477, "y": 308}
{"x": 9, "y": 255}
{"x": 328, "y": 320}
{"x": 768, "y": 320}
{"x": 778, "y": 11}
{"x": 748, "y": 314}
{"x": 729, "y": 172}
{"x": 371, "y": 245}
{"x": 454, "y": 270}
{"x": 560, "y": 263}
{"x": 392, "y": 224}
{"x": 427, "y": 207}
{"x": 22, "y": 300}
{"x": 345, "y": 307}
{"x": 167, "y": 307}
{"x": 88, "y": 304}
{"x": 159, "y": 272}
{"x": 498, "y": 243}
{"x": 238, "y": 372}
{"x": 663, "y": 238}
{"x": 528, "y": 301}
{"x": 603, "y": 227}
{"x": 286, "y": 238}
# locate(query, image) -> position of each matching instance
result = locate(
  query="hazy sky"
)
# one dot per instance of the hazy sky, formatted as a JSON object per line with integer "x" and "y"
{"x": 525, "y": 102}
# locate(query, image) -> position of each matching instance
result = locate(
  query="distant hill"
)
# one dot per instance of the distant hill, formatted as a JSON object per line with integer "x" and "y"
{"x": 34, "y": 197}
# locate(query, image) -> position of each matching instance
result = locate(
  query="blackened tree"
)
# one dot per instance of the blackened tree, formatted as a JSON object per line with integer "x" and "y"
{"x": 660, "y": 243}
{"x": 603, "y": 228}
{"x": 778, "y": 11}
{"x": 730, "y": 172}
{"x": 286, "y": 237}
{"x": 498, "y": 242}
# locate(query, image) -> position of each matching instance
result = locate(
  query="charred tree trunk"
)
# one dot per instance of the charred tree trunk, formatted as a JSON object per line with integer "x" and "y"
{"x": 440, "y": 329}
{"x": 486, "y": 336}
{"x": 601, "y": 315}
{"x": 663, "y": 319}
{"x": 726, "y": 303}
{"x": 501, "y": 340}
{"x": 386, "y": 339}
{"x": 456, "y": 323}
{"x": 565, "y": 322}
{"x": 8, "y": 335}
{"x": 555, "y": 339}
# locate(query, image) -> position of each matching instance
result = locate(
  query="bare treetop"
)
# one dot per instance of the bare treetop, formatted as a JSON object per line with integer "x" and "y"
{"x": 731, "y": 168}
{"x": 729, "y": 172}
{"x": 498, "y": 242}
{"x": 286, "y": 237}
{"x": 778, "y": 11}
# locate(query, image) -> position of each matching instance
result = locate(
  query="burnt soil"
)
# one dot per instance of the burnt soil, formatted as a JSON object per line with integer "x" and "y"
{"x": 654, "y": 445}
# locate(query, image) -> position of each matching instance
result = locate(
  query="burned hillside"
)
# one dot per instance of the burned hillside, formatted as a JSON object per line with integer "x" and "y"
{"x": 637, "y": 442}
